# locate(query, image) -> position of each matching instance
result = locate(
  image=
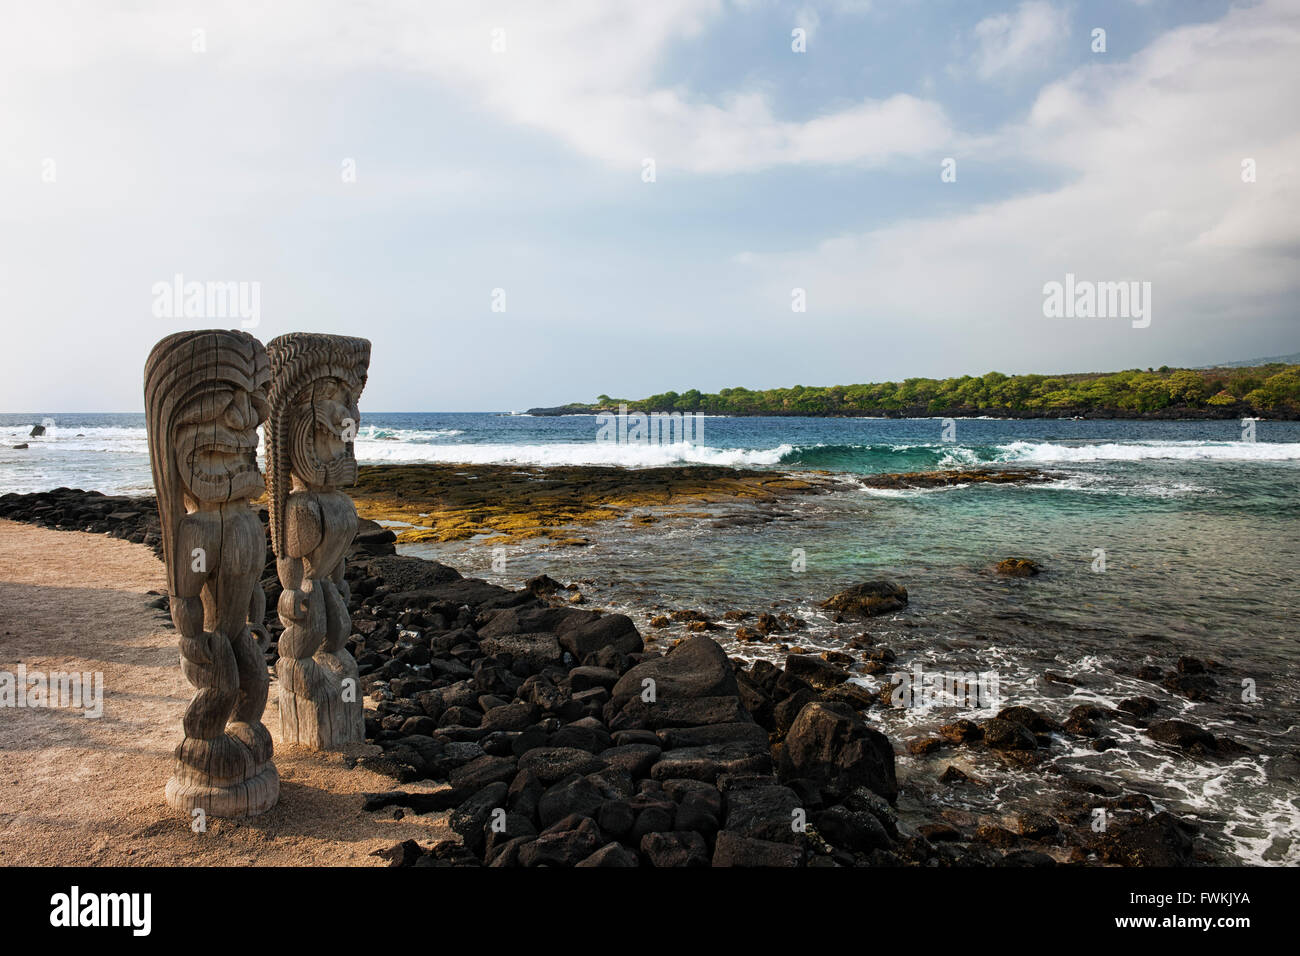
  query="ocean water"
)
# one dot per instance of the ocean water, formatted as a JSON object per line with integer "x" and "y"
{"x": 1200, "y": 532}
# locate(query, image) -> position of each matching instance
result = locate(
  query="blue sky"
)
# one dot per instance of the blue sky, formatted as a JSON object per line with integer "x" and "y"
{"x": 521, "y": 169}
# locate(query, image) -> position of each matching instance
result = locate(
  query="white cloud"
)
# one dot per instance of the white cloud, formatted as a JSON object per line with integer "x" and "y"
{"x": 1152, "y": 151}
{"x": 1011, "y": 43}
{"x": 584, "y": 71}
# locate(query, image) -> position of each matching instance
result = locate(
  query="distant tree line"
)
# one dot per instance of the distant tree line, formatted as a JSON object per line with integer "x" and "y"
{"x": 1268, "y": 390}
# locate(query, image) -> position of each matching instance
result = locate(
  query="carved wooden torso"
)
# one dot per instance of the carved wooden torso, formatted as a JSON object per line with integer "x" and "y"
{"x": 234, "y": 543}
{"x": 320, "y": 530}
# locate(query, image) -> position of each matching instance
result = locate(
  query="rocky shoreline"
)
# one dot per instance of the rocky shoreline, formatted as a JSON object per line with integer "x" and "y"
{"x": 564, "y": 741}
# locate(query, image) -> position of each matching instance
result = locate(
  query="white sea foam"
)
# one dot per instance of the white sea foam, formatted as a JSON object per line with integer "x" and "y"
{"x": 105, "y": 439}
{"x": 911, "y": 492}
{"x": 378, "y": 433}
{"x": 568, "y": 453}
{"x": 1046, "y": 452}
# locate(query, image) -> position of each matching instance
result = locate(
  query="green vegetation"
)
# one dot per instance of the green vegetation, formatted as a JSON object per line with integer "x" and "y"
{"x": 1267, "y": 390}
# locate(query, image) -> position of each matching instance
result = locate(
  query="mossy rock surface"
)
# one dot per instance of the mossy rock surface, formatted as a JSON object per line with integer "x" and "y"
{"x": 505, "y": 503}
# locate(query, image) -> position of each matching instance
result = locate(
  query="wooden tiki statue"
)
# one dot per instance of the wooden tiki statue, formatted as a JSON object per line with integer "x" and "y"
{"x": 316, "y": 381}
{"x": 205, "y": 393}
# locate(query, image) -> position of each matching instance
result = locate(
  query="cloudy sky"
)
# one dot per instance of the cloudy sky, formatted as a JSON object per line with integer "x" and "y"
{"x": 381, "y": 168}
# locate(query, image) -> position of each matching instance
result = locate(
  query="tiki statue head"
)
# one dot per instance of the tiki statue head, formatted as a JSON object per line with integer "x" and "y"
{"x": 205, "y": 394}
{"x": 316, "y": 384}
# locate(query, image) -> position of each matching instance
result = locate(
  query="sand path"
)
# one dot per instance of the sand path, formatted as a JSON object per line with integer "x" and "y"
{"x": 77, "y": 790}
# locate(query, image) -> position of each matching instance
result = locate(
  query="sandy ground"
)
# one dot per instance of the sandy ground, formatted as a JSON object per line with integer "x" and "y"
{"x": 89, "y": 791}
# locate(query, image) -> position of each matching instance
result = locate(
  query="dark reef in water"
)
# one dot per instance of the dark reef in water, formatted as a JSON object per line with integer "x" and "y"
{"x": 944, "y": 479}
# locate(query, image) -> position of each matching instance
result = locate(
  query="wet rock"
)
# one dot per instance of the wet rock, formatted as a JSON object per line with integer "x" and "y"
{"x": 831, "y": 744}
{"x": 697, "y": 667}
{"x": 1194, "y": 686}
{"x": 614, "y": 631}
{"x": 543, "y": 586}
{"x": 1018, "y": 567}
{"x": 961, "y": 731}
{"x": 1037, "y": 826}
{"x": 995, "y": 835}
{"x": 855, "y": 695}
{"x": 1180, "y": 733}
{"x": 924, "y": 745}
{"x": 1054, "y": 678}
{"x": 756, "y": 700}
{"x": 939, "y": 832}
{"x": 1005, "y": 735}
{"x": 1089, "y": 712}
{"x": 955, "y": 775}
{"x": 785, "y": 713}
{"x": 817, "y": 672}
{"x": 866, "y": 600}
{"x": 1031, "y": 719}
{"x": 1139, "y": 706}
{"x": 1161, "y": 840}
{"x": 1080, "y": 726}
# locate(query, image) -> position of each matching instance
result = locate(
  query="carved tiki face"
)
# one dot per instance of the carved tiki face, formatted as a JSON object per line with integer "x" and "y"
{"x": 323, "y": 422}
{"x": 214, "y": 442}
{"x": 316, "y": 383}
